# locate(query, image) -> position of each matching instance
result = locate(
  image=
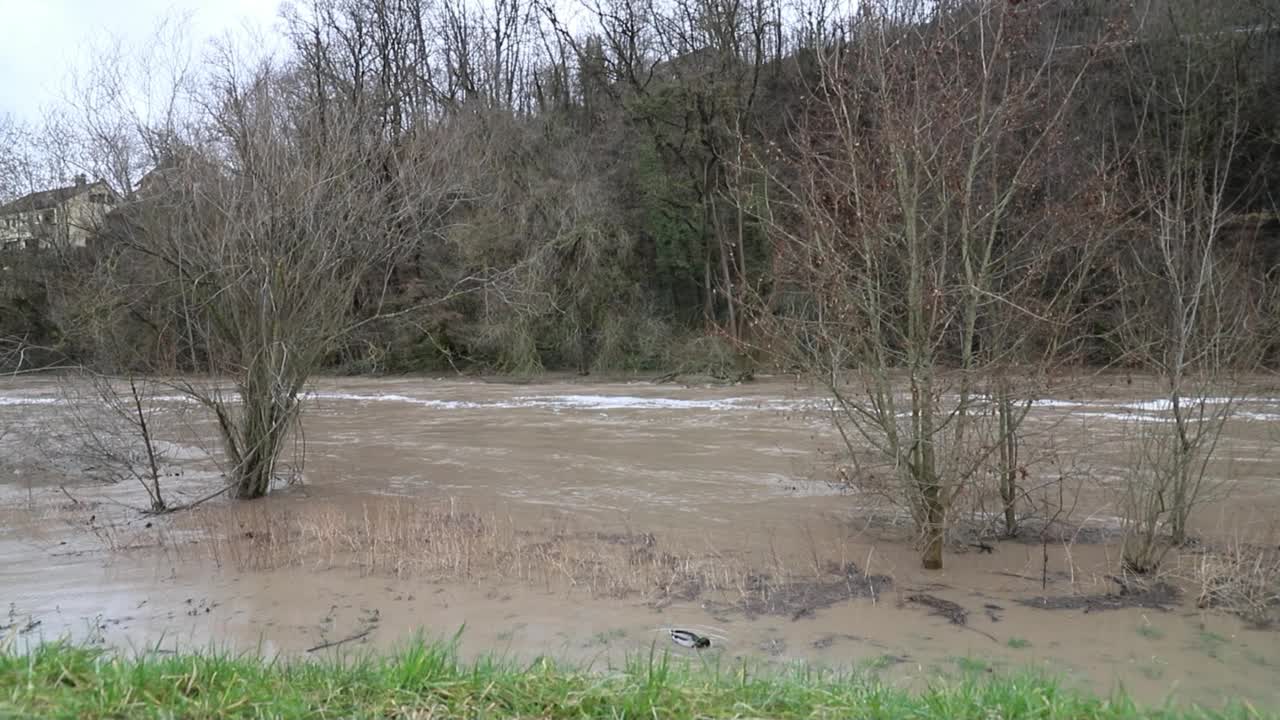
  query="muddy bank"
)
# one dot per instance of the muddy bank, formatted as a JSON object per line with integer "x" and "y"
{"x": 134, "y": 601}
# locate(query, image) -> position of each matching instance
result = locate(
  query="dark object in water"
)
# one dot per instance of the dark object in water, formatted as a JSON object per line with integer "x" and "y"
{"x": 993, "y": 612}
{"x": 685, "y": 638}
{"x": 944, "y": 608}
{"x": 1155, "y": 596}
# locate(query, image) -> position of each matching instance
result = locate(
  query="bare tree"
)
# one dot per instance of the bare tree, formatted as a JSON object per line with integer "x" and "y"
{"x": 108, "y": 430}
{"x": 275, "y": 239}
{"x": 1192, "y": 308}
{"x": 12, "y": 165}
{"x": 918, "y": 215}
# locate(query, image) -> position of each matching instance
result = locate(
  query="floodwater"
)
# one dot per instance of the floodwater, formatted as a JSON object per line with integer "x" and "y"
{"x": 714, "y": 472}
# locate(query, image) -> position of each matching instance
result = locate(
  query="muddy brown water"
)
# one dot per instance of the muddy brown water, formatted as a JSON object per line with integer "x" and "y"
{"x": 736, "y": 470}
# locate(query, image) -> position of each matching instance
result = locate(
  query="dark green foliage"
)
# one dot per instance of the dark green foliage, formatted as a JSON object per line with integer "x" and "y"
{"x": 673, "y": 231}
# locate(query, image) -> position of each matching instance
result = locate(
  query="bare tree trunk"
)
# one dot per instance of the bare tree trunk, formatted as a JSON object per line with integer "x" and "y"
{"x": 740, "y": 251}
{"x": 935, "y": 528}
{"x": 924, "y": 470}
{"x": 157, "y": 500}
{"x": 727, "y": 278}
{"x": 1008, "y": 465}
{"x": 708, "y": 290}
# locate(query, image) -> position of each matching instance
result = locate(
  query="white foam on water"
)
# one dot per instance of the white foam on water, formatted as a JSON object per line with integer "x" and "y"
{"x": 1127, "y": 417}
{"x": 1124, "y": 410}
{"x": 405, "y": 399}
{"x": 1154, "y": 404}
{"x": 571, "y": 402}
{"x": 1146, "y": 410}
{"x": 20, "y": 400}
{"x": 1259, "y": 416}
{"x": 29, "y": 401}
{"x": 1165, "y": 404}
{"x": 631, "y": 402}
{"x": 1051, "y": 403}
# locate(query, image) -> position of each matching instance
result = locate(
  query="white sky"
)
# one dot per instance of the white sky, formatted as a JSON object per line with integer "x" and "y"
{"x": 43, "y": 41}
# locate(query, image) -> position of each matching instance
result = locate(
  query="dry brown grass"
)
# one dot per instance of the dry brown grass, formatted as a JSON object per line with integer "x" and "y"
{"x": 403, "y": 537}
{"x": 1239, "y": 577}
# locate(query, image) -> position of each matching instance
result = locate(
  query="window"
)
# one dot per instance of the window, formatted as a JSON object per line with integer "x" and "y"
{"x": 48, "y": 217}
{"x": 98, "y": 198}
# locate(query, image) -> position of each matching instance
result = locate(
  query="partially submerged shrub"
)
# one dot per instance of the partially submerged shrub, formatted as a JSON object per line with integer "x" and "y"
{"x": 1239, "y": 577}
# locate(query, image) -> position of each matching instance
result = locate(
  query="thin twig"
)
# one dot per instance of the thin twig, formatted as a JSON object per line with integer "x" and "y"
{"x": 69, "y": 497}
{"x": 335, "y": 643}
{"x": 194, "y": 503}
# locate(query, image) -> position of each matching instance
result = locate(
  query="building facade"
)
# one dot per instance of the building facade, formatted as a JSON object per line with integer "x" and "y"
{"x": 65, "y": 217}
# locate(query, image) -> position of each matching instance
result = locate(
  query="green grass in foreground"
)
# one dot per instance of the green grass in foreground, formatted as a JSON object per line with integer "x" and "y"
{"x": 424, "y": 680}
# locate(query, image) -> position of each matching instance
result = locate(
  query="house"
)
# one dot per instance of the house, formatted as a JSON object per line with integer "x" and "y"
{"x": 65, "y": 217}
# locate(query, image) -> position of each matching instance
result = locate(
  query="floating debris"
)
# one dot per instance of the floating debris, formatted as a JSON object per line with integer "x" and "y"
{"x": 943, "y": 608}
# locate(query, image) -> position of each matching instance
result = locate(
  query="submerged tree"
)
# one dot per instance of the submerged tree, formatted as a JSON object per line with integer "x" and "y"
{"x": 927, "y": 249}
{"x": 1195, "y": 298}
{"x": 274, "y": 237}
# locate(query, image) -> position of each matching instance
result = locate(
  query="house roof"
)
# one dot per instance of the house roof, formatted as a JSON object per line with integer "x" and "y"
{"x": 44, "y": 199}
{"x": 156, "y": 179}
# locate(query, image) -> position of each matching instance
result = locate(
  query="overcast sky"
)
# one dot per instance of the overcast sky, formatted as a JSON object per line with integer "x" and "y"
{"x": 42, "y": 41}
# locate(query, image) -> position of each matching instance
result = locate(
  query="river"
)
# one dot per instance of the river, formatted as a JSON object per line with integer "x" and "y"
{"x": 726, "y": 477}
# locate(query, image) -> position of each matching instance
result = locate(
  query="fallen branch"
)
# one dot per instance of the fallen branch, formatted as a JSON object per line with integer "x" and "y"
{"x": 1019, "y": 576}
{"x": 983, "y": 633}
{"x": 193, "y": 504}
{"x": 335, "y": 643}
{"x": 69, "y": 497}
